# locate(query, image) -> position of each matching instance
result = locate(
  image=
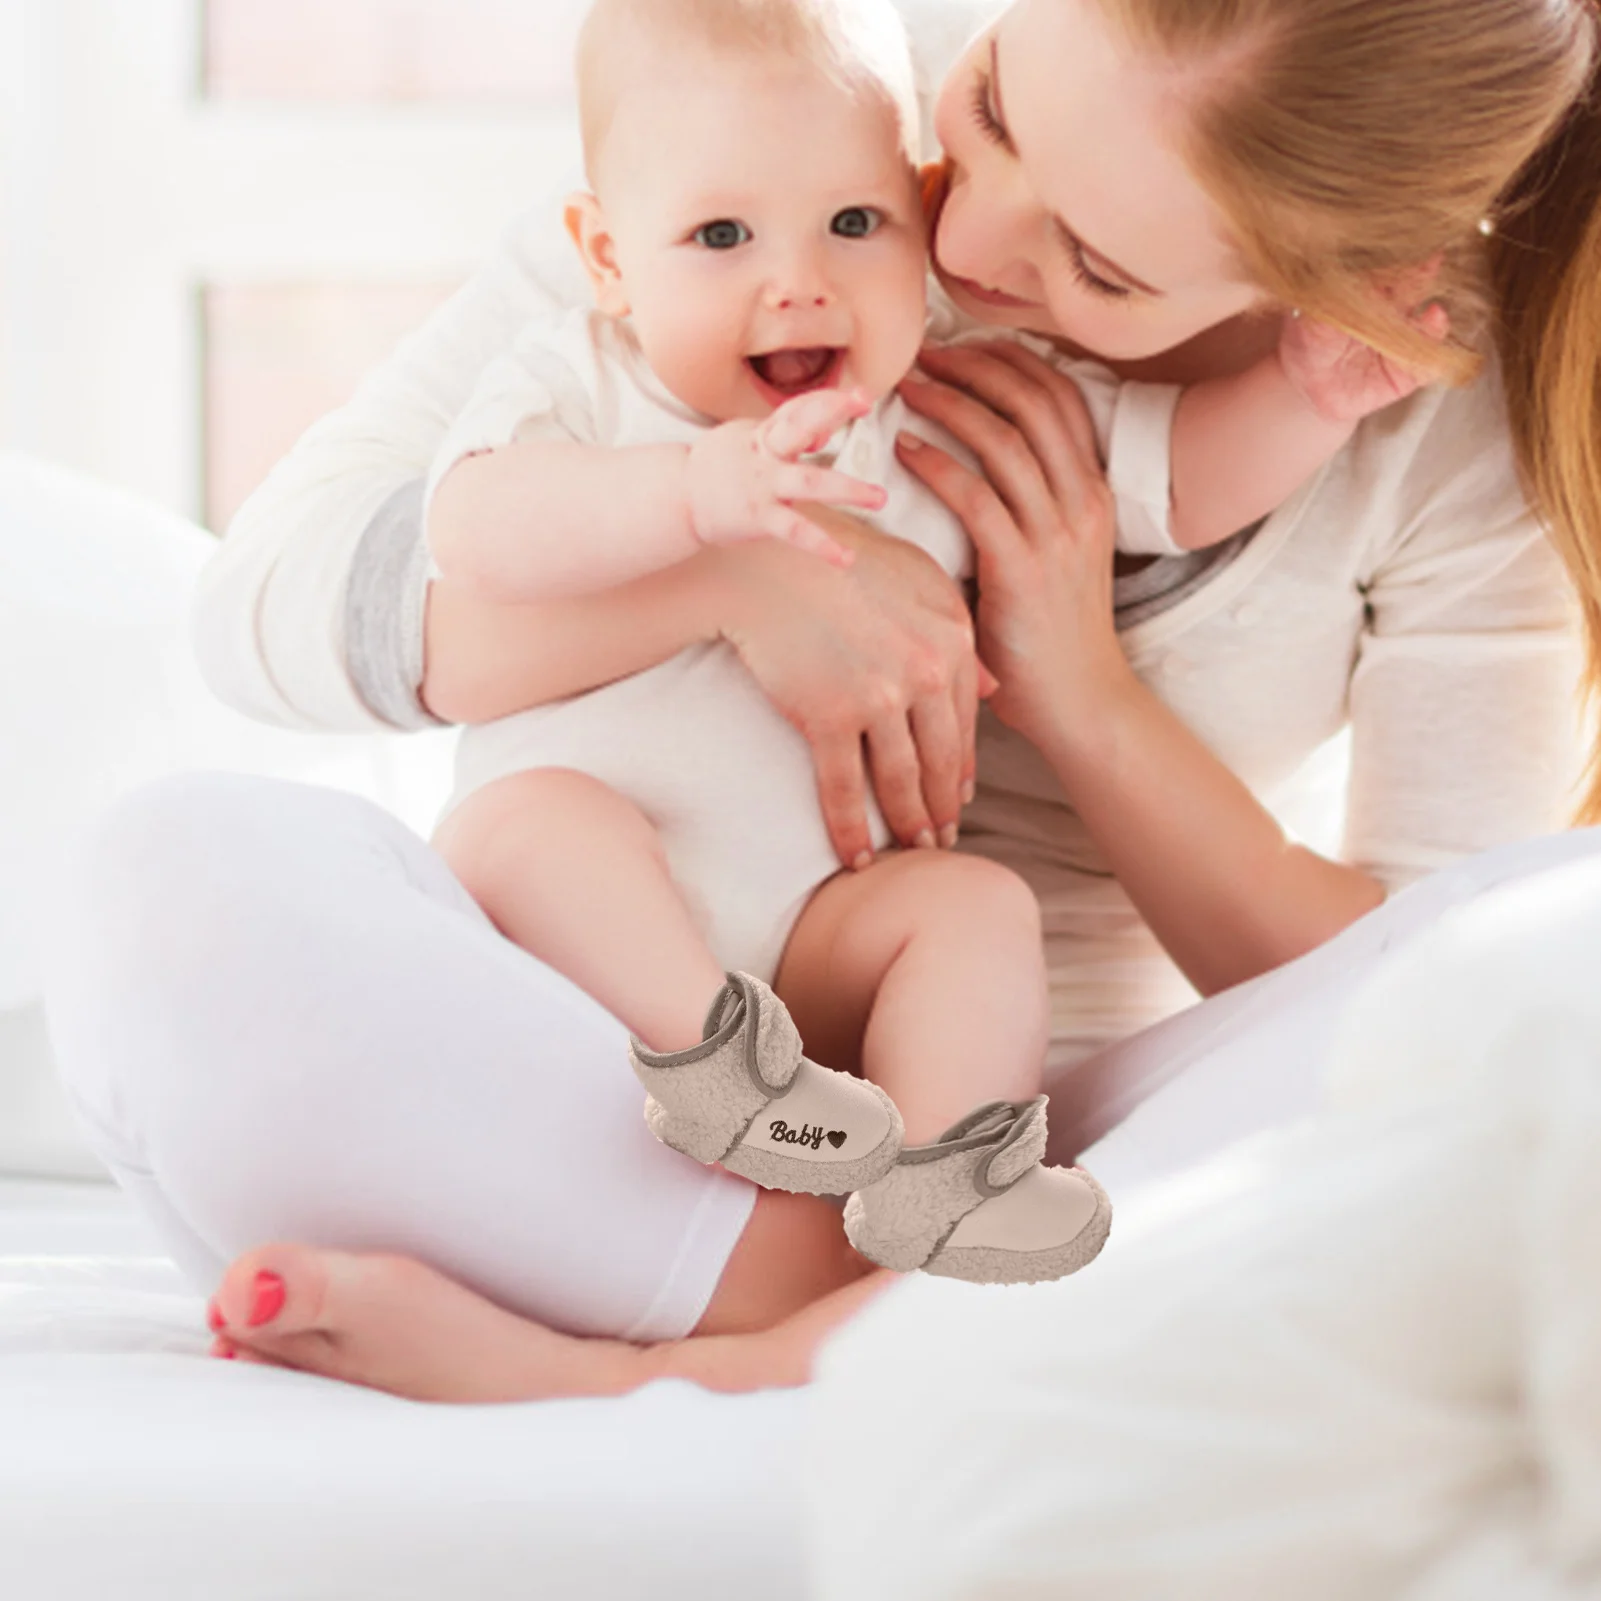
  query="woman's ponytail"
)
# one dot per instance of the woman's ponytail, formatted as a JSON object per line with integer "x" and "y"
{"x": 1546, "y": 266}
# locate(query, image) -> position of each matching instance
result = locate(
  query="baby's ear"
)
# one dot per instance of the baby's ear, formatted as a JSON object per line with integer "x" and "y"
{"x": 586, "y": 222}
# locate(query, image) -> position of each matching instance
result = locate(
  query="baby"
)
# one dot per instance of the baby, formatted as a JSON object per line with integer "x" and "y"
{"x": 756, "y": 242}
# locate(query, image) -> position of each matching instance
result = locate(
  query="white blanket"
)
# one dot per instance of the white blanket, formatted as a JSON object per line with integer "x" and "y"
{"x": 132, "y": 1467}
{"x": 1358, "y": 1359}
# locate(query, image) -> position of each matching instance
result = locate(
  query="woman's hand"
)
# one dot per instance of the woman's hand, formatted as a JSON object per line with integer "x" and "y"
{"x": 1041, "y": 519}
{"x": 1220, "y": 885}
{"x": 875, "y": 666}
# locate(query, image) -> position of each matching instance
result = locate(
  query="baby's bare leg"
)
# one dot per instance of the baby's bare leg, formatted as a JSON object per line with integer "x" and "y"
{"x": 926, "y": 972}
{"x": 576, "y": 875}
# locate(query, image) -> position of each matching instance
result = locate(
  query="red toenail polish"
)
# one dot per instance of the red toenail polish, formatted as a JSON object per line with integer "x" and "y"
{"x": 229, "y": 1356}
{"x": 215, "y": 1321}
{"x": 268, "y": 1299}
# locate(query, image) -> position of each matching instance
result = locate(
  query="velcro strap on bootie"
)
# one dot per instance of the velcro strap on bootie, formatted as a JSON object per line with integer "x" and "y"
{"x": 1023, "y": 1146}
{"x": 747, "y": 1097}
{"x": 772, "y": 1048}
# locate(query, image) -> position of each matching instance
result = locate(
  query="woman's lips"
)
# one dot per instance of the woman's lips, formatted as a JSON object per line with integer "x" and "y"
{"x": 988, "y": 297}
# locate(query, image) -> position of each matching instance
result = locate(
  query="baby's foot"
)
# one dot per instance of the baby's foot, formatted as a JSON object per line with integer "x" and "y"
{"x": 978, "y": 1204}
{"x": 746, "y": 1098}
{"x": 390, "y": 1323}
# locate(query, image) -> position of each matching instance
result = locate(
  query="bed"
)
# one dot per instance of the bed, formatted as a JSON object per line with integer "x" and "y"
{"x": 133, "y": 1467}
{"x": 130, "y": 1465}
{"x": 929, "y": 1462}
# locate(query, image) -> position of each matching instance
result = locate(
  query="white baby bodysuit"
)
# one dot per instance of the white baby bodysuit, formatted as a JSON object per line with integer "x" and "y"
{"x": 728, "y": 784}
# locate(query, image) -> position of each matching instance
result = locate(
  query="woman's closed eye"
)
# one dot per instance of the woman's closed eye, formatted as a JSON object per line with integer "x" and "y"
{"x": 981, "y": 103}
{"x": 986, "y": 115}
{"x": 727, "y": 233}
{"x": 1080, "y": 268}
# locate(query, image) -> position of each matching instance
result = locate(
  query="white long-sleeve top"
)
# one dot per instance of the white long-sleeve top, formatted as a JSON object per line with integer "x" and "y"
{"x": 1407, "y": 593}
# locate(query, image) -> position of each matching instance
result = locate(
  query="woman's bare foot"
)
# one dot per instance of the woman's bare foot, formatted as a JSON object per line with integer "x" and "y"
{"x": 393, "y": 1324}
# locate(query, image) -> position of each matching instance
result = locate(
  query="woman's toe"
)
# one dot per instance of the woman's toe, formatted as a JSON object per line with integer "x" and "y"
{"x": 272, "y": 1292}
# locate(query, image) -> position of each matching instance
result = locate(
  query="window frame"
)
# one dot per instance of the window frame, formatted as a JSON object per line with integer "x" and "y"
{"x": 126, "y": 192}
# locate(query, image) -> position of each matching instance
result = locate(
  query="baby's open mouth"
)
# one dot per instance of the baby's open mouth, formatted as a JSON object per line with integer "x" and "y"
{"x": 793, "y": 372}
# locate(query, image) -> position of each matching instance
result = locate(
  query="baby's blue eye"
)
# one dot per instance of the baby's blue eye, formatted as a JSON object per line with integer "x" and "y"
{"x": 725, "y": 234}
{"x": 857, "y": 222}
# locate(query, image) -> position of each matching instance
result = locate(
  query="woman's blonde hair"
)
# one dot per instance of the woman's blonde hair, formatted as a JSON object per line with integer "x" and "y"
{"x": 1350, "y": 141}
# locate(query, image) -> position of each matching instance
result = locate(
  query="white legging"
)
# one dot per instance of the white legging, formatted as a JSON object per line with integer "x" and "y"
{"x": 281, "y": 1017}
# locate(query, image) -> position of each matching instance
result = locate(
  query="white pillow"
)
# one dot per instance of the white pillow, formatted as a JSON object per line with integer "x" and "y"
{"x": 1356, "y": 1361}
{"x": 98, "y": 694}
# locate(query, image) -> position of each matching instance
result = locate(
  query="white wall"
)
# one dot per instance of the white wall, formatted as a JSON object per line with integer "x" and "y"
{"x": 122, "y": 191}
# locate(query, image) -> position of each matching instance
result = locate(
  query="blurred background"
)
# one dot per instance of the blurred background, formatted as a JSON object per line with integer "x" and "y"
{"x": 216, "y": 215}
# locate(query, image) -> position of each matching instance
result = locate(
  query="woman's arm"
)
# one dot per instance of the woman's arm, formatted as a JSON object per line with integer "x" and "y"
{"x": 1211, "y": 871}
{"x": 310, "y": 614}
{"x": 874, "y": 666}
{"x": 1207, "y": 866}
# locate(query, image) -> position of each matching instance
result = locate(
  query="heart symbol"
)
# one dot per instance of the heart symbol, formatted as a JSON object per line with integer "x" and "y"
{"x": 836, "y": 1138}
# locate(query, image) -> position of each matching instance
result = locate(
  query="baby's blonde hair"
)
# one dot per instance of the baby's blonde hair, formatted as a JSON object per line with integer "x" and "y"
{"x": 860, "y": 44}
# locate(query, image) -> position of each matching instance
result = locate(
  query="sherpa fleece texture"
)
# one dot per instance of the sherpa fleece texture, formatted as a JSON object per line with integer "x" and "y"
{"x": 994, "y": 1264}
{"x": 703, "y": 1099}
{"x": 903, "y": 1219}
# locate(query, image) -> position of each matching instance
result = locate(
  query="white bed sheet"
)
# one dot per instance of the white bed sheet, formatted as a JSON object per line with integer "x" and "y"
{"x": 133, "y": 1467}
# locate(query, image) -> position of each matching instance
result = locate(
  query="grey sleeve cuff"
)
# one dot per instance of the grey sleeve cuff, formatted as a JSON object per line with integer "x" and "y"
{"x": 384, "y": 606}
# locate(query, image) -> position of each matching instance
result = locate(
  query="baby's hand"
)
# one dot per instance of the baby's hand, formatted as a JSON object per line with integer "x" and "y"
{"x": 745, "y": 477}
{"x": 1345, "y": 380}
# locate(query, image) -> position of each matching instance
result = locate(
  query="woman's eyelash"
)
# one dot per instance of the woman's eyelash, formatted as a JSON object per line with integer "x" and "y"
{"x": 1090, "y": 280}
{"x": 983, "y": 113}
{"x": 982, "y": 110}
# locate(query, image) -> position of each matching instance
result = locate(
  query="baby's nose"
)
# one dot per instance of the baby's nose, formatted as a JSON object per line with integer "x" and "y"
{"x": 805, "y": 299}
{"x": 800, "y": 286}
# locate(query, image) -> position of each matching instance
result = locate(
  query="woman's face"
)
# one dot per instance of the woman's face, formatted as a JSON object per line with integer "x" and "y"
{"x": 1071, "y": 211}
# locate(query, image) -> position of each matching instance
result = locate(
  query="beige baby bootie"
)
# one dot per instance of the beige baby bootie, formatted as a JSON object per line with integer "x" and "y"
{"x": 977, "y": 1204}
{"x": 746, "y": 1097}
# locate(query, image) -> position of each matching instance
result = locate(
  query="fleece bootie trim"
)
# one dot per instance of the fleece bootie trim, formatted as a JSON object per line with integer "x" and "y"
{"x": 746, "y": 1097}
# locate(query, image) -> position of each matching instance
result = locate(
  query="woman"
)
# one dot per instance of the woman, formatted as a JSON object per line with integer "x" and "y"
{"x": 358, "y": 1060}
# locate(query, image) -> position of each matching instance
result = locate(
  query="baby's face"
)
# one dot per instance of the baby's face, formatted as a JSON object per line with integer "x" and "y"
{"x": 765, "y": 234}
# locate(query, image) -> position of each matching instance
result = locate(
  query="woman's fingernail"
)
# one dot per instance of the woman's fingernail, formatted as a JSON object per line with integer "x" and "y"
{"x": 215, "y": 1321}
{"x": 925, "y": 840}
{"x": 908, "y": 441}
{"x": 267, "y": 1300}
{"x": 865, "y": 859}
{"x": 229, "y": 1356}
{"x": 969, "y": 790}
{"x": 947, "y": 836}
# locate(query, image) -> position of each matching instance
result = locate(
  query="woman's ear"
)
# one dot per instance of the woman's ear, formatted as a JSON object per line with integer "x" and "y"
{"x": 586, "y": 222}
